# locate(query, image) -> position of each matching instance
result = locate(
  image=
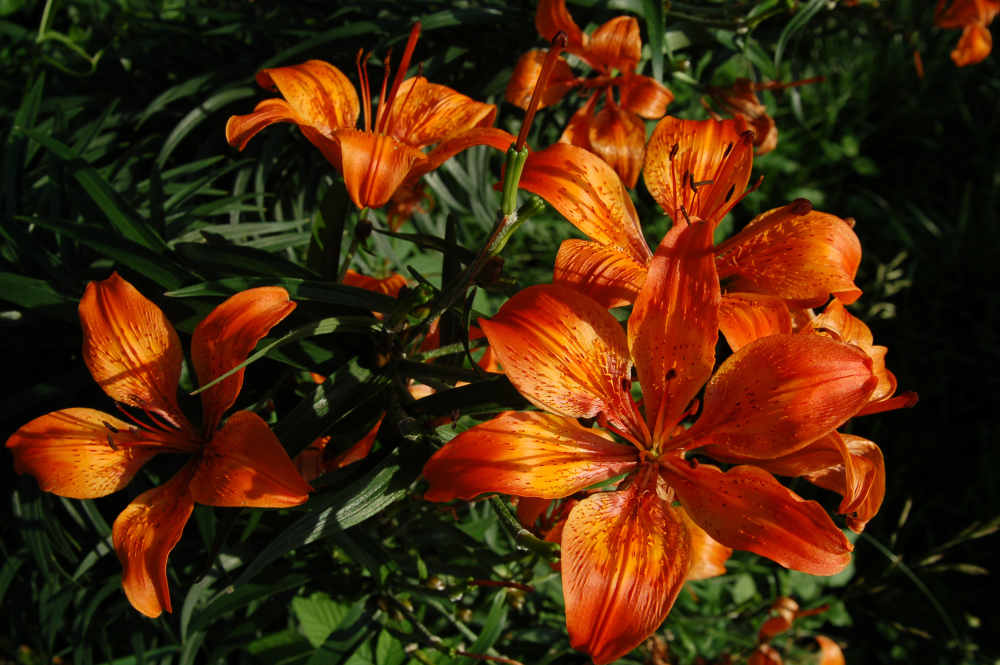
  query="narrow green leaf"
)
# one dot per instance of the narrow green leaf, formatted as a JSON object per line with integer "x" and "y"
{"x": 656, "y": 26}
{"x": 495, "y": 623}
{"x": 233, "y": 260}
{"x": 197, "y": 115}
{"x": 39, "y": 296}
{"x": 298, "y": 289}
{"x": 805, "y": 14}
{"x": 328, "y": 231}
{"x": 14, "y": 165}
{"x": 490, "y": 396}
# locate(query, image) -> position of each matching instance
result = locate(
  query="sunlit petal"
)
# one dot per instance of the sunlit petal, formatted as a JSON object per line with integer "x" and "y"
{"x": 625, "y": 557}
{"x": 226, "y": 337}
{"x": 675, "y": 324}
{"x": 864, "y": 489}
{"x": 551, "y": 16}
{"x": 425, "y": 113}
{"x": 131, "y": 349}
{"x": 829, "y": 651}
{"x": 241, "y": 128}
{"x": 602, "y": 272}
{"x": 708, "y": 558}
{"x": 779, "y": 393}
{"x": 68, "y": 453}
{"x": 644, "y": 96}
{"x": 319, "y": 93}
{"x": 374, "y": 165}
{"x": 619, "y": 138}
{"x": 744, "y": 317}
{"x": 456, "y": 143}
{"x": 525, "y": 454}
{"x": 615, "y": 45}
{"x": 245, "y": 465}
{"x": 747, "y": 509}
{"x": 577, "y": 130}
{"x": 525, "y": 76}
{"x": 143, "y": 536}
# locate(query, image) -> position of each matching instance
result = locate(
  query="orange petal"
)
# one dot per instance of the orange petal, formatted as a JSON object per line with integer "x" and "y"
{"x": 357, "y": 451}
{"x": 625, "y": 555}
{"x": 644, "y": 96}
{"x": 802, "y": 259}
{"x": 426, "y": 113}
{"x": 602, "y": 272}
{"x": 143, "y": 536}
{"x": 241, "y": 128}
{"x": 974, "y": 45}
{"x": 619, "y": 138}
{"x": 68, "y": 453}
{"x": 319, "y": 94}
{"x": 525, "y": 76}
{"x": 551, "y": 17}
{"x": 452, "y": 145}
{"x": 389, "y": 286}
{"x": 744, "y": 317}
{"x": 530, "y": 508}
{"x": 703, "y": 152}
{"x": 565, "y": 353}
{"x": 226, "y": 337}
{"x": 675, "y": 324}
{"x": 587, "y": 192}
{"x": 780, "y": 393}
{"x": 374, "y": 165}
{"x": 526, "y": 454}
{"x": 764, "y": 654}
{"x": 131, "y": 349}
{"x": 615, "y": 45}
{"x": 577, "y": 130}
{"x": 309, "y": 462}
{"x": 829, "y": 652}
{"x": 863, "y": 490}
{"x": 747, "y": 509}
{"x": 708, "y": 558}
{"x": 245, "y": 465}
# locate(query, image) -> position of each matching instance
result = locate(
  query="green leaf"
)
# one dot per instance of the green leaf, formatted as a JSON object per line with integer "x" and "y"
{"x": 389, "y": 650}
{"x": 197, "y": 115}
{"x": 234, "y": 260}
{"x": 120, "y": 213}
{"x": 805, "y": 13}
{"x": 39, "y": 296}
{"x": 298, "y": 289}
{"x": 490, "y": 396}
{"x": 13, "y": 159}
{"x": 280, "y": 648}
{"x": 328, "y": 231}
{"x": 656, "y": 26}
{"x": 318, "y": 616}
{"x": 495, "y": 623}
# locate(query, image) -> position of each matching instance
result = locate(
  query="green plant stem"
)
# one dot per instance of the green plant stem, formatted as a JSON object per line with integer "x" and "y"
{"x": 522, "y": 537}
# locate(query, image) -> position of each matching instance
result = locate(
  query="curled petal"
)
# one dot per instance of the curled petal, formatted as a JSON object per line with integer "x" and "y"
{"x": 577, "y": 130}
{"x": 625, "y": 555}
{"x": 644, "y": 96}
{"x": 708, "y": 558}
{"x": 829, "y": 651}
{"x": 389, "y": 286}
{"x": 131, "y": 349}
{"x": 747, "y": 509}
{"x": 675, "y": 324}
{"x": 802, "y": 259}
{"x": 245, "y": 465}
{"x": 863, "y": 486}
{"x": 374, "y": 165}
{"x": 320, "y": 94}
{"x": 426, "y": 113}
{"x": 619, "y": 138}
{"x": 779, "y": 393}
{"x": 143, "y": 536}
{"x": 587, "y": 192}
{"x": 241, "y": 128}
{"x": 706, "y": 150}
{"x": 526, "y": 454}
{"x": 226, "y": 337}
{"x": 601, "y": 272}
{"x": 565, "y": 353}
{"x": 551, "y": 17}
{"x": 68, "y": 453}
{"x": 525, "y": 76}
{"x": 973, "y": 46}
{"x": 452, "y": 145}
{"x": 615, "y": 45}
{"x": 744, "y": 317}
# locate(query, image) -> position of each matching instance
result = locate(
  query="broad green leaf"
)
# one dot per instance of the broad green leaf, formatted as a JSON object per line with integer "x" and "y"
{"x": 280, "y": 648}
{"x": 328, "y": 231}
{"x": 37, "y": 295}
{"x": 490, "y": 396}
{"x": 318, "y": 616}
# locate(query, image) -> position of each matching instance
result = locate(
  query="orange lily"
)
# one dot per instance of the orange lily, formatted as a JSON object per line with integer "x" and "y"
{"x": 386, "y": 155}
{"x": 134, "y": 353}
{"x": 616, "y": 133}
{"x": 697, "y": 170}
{"x": 626, "y": 553}
{"x": 974, "y": 18}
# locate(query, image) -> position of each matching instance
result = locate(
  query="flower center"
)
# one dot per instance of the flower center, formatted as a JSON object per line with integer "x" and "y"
{"x": 158, "y": 434}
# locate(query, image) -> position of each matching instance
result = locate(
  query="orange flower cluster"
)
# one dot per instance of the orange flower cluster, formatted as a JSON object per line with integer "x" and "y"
{"x": 771, "y": 407}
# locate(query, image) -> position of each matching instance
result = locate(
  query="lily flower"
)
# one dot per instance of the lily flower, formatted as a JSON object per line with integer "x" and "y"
{"x": 626, "y": 553}
{"x": 386, "y": 153}
{"x": 134, "y": 353}
{"x": 616, "y": 132}
{"x": 973, "y": 17}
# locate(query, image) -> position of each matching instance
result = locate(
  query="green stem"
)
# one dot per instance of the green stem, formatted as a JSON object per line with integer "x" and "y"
{"x": 523, "y": 538}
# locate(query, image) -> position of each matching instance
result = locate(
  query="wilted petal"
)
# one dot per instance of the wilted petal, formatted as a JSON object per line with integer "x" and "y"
{"x": 744, "y": 317}
{"x": 565, "y": 353}
{"x": 374, "y": 165}
{"x": 675, "y": 324}
{"x": 525, "y": 76}
{"x": 601, "y": 272}
{"x": 319, "y": 94}
{"x": 143, "y": 536}
{"x": 779, "y": 393}
{"x": 587, "y": 192}
{"x": 747, "y": 509}
{"x": 644, "y": 96}
{"x": 245, "y": 465}
{"x": 619, "y": 138}
{"x": 131, "y": 349}
{"x": 527, "y": 454}
{"x": 425, "y": 113}
{"x": 705, "y": 150}
{"x": 68, "y": 453}
{"x": 802, "y": 259}
{"x": 226, "y": 337}
{"x": 551, "y": 16}
{"x": 625, "y": 555}
{"x": 708, "y": 558}
{"x": 615, "y": 45}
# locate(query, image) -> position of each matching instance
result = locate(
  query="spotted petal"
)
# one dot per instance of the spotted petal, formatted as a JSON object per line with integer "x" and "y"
{"x": 602, "y": 272}
{"x": 619, "y": 138}
{"x": 426, "y": 113}
{"x": 319, "y": 94}
{"x": 615, "y": 45}
{"x": 744, "y": 317}
{"x": 374, "y": 165}
{"x": 525, "y": 76}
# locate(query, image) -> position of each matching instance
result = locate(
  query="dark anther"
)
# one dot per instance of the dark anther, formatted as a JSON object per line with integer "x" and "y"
{"x": 686, "y": 218}
{"x": 673, "y": 151}
{"x": 134, "y": 431}
{"x": 695, "y": 185}
{"x": 110, "y": 428}
{"x": 802, "y": 207}
{"x": 111, "y": 444}
{"x": 729, "y": 149}
{"x": 363, "y": 229}
{"x": 732, "y": 190}
{"x": 626, "y": 385}
{"x": 693, "y": 463}
{"x": 747, "y": 137}
{"x": 602, "y": 419}
{"x": 671, "y": 373}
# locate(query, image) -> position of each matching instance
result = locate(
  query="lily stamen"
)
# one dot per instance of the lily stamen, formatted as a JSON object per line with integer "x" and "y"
{"x": 797, "y": 208}
{"x": 558, "y": 44}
